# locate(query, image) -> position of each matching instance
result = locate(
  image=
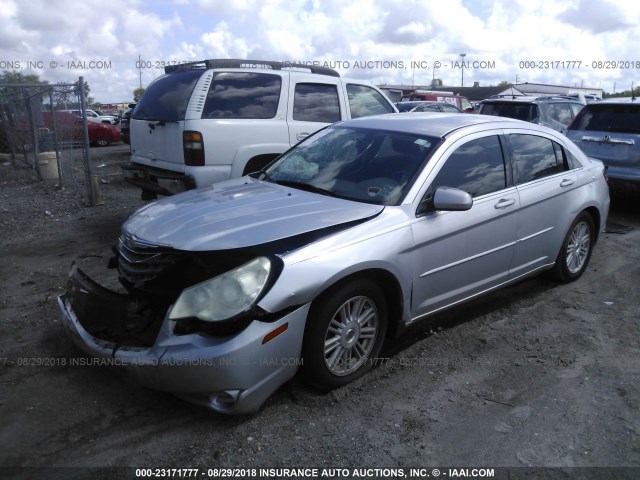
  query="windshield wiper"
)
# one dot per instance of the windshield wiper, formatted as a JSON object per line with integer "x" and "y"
{"x": 305, "y": 186}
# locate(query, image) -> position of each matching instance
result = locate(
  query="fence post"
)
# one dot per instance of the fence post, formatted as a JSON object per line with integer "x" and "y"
{"x": 87, "y": 152}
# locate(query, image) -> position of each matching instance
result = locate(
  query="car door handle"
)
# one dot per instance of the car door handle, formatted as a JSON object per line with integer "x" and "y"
{"x": 504, "y": 203}
{"x": 302, "y": 135}
{"x": 566, "y": 182}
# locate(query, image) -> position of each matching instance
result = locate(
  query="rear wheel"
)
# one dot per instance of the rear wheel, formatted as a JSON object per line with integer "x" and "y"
{"x": 345, "y": 332}
{"x": 575, "y": 252}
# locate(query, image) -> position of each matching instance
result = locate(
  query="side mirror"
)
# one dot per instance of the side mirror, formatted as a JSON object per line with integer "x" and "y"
{"x": 452, "y": 199}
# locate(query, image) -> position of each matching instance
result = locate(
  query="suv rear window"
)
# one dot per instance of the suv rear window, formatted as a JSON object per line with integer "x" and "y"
{"x": 621, "y": 118}
{"x": 519, "y": 111}
{"x": 167, "y": 97}
{"x": 242, "y": 95}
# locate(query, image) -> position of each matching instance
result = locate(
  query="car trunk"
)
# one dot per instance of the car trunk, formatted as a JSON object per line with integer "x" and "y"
{"x": 157, "y": 144}
{"x": 609, "y": 132}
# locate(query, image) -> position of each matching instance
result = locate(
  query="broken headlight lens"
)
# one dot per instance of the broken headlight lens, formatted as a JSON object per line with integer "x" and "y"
{"x": 226, "y": 295}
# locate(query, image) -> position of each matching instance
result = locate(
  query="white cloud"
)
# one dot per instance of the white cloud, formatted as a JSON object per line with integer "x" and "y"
{"x": 505, "y": 31}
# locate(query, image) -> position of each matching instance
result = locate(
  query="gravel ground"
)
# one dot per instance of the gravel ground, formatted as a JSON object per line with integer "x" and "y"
{"x": 538, "y": 374}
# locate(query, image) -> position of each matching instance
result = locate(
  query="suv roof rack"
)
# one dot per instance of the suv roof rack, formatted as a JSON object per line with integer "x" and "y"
{"x": 558, "y": 97}
{"x": 256, "y": 64}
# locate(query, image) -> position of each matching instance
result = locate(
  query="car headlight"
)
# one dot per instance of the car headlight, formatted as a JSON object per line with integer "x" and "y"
{"x": 226, "y": 295}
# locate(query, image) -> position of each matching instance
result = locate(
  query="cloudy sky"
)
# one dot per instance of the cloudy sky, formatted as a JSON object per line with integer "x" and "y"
{"x": 566, "y": 42}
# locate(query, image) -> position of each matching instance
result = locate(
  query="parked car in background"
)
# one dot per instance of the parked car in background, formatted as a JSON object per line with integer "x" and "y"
{"x": 114, "y": 115}
{"x": 360, "y": 230}
{"x": 443, "y": 107}
{"x": 69, "y": 129}
{"x": 207, "y": 121}
{"x": 94, "y": 116}
{"x": 609, "y": 130}
{"x": 427, "y": 106}
{"x": 461, "y": 102}
{"x": 407, "y": 105}
{"x": 551, "y": 111}
{"x": 124, "y": 124}
{"x": 584, "y": 97}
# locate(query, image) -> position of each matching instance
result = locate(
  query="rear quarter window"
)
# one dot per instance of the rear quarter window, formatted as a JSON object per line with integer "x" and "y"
{"x": 243, "y": 95}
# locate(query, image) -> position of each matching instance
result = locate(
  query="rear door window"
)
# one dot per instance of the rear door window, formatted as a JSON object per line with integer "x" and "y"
{"x": 167, "y": 97}
{"x": 365, "y": 101}
{"x": 316, "y": 102}
{"x": 243, "y": 95}
{"x": 561, "y": 112}
{"x": 536, "y": 157}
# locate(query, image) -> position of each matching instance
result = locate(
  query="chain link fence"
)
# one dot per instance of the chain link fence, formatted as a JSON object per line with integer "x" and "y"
{"x": 46, "y": 128}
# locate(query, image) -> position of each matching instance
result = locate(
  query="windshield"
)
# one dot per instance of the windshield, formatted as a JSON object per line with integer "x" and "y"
{"x": 167, "y": 97}
{"x": 365, "y": 165}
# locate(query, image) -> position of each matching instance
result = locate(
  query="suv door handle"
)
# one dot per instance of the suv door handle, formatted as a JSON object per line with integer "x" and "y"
{"x": 301, "y": 136}
{"x": 566, "y": 182}
{"x": 504, "y": 203}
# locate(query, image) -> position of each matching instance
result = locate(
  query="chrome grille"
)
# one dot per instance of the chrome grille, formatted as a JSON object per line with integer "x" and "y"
{"x": 139, "y": 264}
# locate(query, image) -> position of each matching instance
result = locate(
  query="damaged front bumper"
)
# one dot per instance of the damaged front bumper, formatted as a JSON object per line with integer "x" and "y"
{"x": 233, "y": 374}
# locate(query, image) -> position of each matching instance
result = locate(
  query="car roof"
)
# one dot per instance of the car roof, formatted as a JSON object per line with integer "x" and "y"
{"x": 619, "y": 100}
{"x": 439, "y": 125}
{"x": 532, "y": 99}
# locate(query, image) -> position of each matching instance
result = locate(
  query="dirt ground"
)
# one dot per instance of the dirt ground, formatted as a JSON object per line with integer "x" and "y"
{"x": 539, "y": 374}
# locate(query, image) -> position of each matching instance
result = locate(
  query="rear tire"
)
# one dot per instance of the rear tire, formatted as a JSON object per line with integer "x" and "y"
{"x": 575, "y": 252}
{"x": 344, "y": 334}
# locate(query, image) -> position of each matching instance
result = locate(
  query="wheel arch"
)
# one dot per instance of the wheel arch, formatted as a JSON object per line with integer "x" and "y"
{"x": 594, "y": 213}
{"x": 258, "y": 162}
{"x": 390, "y": 287}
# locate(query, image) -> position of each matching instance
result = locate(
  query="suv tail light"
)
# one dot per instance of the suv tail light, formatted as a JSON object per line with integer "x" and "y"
{"x": 604, "y": 173}
{"x": 193, "y": 147}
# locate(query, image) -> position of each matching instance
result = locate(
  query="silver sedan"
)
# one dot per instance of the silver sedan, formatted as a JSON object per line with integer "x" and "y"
{"x": 362, "y": 229}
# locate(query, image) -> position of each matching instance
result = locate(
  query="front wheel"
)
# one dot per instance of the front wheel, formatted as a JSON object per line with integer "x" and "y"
{"x": 575, "y": 252}
{"x": 345, "y": 332}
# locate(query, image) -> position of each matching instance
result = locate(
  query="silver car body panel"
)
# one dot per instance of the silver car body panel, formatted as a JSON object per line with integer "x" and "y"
{"x": 438, "y": 259}
{"x": 239, "y": 213}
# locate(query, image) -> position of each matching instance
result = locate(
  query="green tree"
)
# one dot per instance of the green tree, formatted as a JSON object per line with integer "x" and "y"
{"x": 7, "y": 77}
{"x": 503, "y": 83}
{"x": 137, "y": 93}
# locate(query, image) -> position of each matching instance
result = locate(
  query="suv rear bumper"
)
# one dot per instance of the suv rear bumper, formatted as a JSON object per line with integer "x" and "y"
{"x": 156, "y": 180}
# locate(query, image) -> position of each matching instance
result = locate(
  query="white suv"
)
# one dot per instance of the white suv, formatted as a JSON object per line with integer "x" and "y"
{"x": 93, "y": 116}
{"x": 206, "y": 121}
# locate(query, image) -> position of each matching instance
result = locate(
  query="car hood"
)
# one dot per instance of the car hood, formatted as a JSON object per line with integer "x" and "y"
{"x": 240, "y": 213}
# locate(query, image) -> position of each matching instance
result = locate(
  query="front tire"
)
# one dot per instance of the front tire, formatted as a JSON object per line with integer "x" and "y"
{"x": 575, "y": 252}
{"x": 344, "y": 334}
